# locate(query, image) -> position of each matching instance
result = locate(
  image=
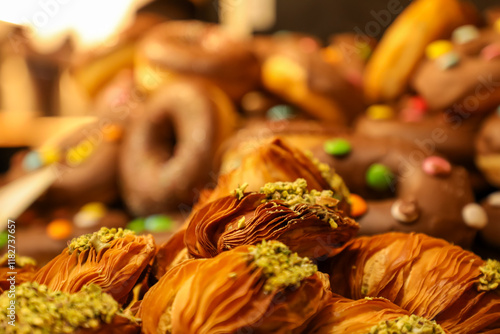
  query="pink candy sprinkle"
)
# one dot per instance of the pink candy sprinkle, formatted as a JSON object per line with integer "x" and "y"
{"x": 418, "y": 103}
{"x": 491, "y": 51}
{"x": 436, "y": 166}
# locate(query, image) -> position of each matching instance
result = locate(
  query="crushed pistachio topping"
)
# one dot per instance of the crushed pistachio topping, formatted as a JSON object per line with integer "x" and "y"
{"x": 293, "y": 193}
{"x": 40, "y": 310}
{"x": 97, "y": 240}
{"x": 240, "y": 191}
{"x": 334, "y": 180}
{"x": 490, "y": 278}
{"x": 407, "y": 324}
{"x": 21, "y": 261}
{"x": 241, "y": 222}
{"x": 280, "y": 266}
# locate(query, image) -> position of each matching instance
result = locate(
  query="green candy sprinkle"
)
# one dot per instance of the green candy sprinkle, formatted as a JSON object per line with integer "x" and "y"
{"x": 337, "y": 147}
{"x": 280, "y": 112}
{"x": 4, "y": 237}
{"x": 158, "y": 223}
{"x": 136, "y": 225}
{"x": 379, "y": 177}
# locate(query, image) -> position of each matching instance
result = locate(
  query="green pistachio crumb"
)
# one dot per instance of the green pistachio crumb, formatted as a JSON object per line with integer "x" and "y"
{"x": 293, "y": 193}
{"x": 97, "y": 240}
{"x": 241, "y": 222}
{"x": 21, "y": 261}
{"x": 40, "y": 310}
{"x": 232, "y": 275}
{"x": 281, "y": 267}
{"x": 490, "y": 278}
{"x": 240, "y": 191}
{"x": 333, "y": 179}
{"x": 407, "y": 324}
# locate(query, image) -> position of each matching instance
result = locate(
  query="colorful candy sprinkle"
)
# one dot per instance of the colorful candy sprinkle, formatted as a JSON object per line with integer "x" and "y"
{"x": 112, "y": 133}
{"x": 90, "y": 215}
{"x": 496, "y": 25}
{"x": 448, "y": 60}
{"x": 465, "y": 34}
{"x": 490, "y": 52}
{"x": 4, "y": 238}
{"x": 50, "y": 155}
{"x": 337, "y": 147}
{"x": 436, "y": 166}
{"x": 405, "y": 211}
{"x": 494, "y": 199}
{"x": 474, "y": 216}
{"x": 158, "y": 223}
{"x": 418, "y": 102}
{"x": 379, "y": 177}
{"x": 280, "y": 112}
{"x": 380, "y": 111}
{"x": 85, "y": 148}
{"x": 73, "y": 158}
{"x": 32, "y": 161}
{"x": 59, "y": 229}
{"x": 358, "y": 205}
{"x": 136, "y": 225}
{"x": 438, "y": 48}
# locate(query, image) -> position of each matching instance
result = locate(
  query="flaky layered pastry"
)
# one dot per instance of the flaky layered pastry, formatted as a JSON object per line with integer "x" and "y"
{"x": 113, "y": 259}
{"x": 24, "y": 267}
{"x": 258, "y": 289}
{"x": 368, "y": 316}
{"x": 426, "y": 276}
{"x": 41, "y": 310}
{"x": 308, "y": 222}
{"x": 272, "y": 161}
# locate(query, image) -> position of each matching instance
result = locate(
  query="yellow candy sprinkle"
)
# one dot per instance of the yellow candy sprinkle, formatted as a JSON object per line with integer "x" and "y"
{"x": 438, "y": 48}
{"x": 96, "y": 208}
{"x": 112, "y": 132}
{"x": 59, "y": 229}
{"x": 496, "y": 25}
{"x": 50, "y": 155}
{"x": 380, "y": 111}
{"x": 85, "y": 148}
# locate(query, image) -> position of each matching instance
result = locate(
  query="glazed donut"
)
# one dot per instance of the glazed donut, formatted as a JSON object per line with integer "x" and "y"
{"x": 488, "y": 149}
{"x": 403, "y": 44}
{"x": 426, "y": 276}
{"x": 169, "y": 147}
{"x": 462, "y": 74}
{"x": 295, "y": 68}
{"x": 406, "y": 189}
{"x": 196, "y": 49}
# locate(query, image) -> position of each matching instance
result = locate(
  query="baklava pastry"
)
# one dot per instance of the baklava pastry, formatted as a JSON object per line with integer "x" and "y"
{"x": 306, "y": 221}
{"x": 40, "y": 310}
{"x": 24, "y": 268}
{"x": 426, "y": 276}
{"x": 169, "y": 254}
{"x": 114, "y": 259}
{"x": 368, "y": 316}
{"x": 251, "y": 289}
{"x": 276, "y": 160}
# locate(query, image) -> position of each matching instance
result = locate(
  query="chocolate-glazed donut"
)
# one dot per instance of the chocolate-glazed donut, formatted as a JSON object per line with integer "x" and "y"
{"x": 196, "y": 49}
{"x": 168, "y": 149}
{"x": 467, "y": 77}
{"x": 488, "y": 149}
{"x": 406, "y": 189}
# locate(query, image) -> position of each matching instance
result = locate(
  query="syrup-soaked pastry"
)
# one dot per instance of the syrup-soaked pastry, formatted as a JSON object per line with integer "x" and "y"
{"x": 39, "y": 309}
{"x": 196, "y": 49}
{"x": 463, "y": 73}
{"x": 306, "y": 221}
{"x": 426, "y": 276}
{"x": 24, "y": 268}
{"x": 260, "y": 289}
{"x": 368, "y": 315}
{"x": 114, "y": 259}
{"x": 406, "y": 189}
{"x": 488, "y": 149}
{"x": 169, "y": 148}
{"x": 295, "y": 68}
{"x": 403, "y": 45}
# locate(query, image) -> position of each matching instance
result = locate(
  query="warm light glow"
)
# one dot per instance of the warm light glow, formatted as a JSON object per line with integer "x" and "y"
{"x": 88, "y": 23}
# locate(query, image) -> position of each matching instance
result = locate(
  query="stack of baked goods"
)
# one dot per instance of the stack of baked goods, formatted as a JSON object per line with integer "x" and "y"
{"x": 272, "y": 185}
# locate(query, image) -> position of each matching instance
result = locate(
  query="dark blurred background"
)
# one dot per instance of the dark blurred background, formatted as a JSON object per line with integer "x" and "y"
{"x": 317, "y": 17}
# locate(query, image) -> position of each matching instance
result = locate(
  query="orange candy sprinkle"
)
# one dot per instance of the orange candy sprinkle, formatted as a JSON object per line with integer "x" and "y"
{"x": 358, "y": 205}
{"x": 59, "y": 229}
{"x": 112, "y": 133}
